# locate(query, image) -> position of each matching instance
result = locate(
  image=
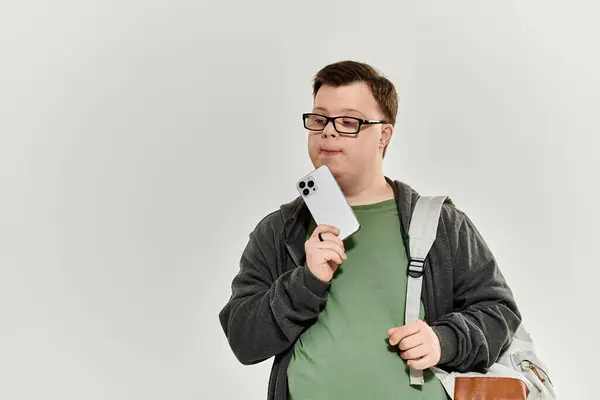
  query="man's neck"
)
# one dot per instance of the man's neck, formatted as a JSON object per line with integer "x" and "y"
{"x": 366, "y": 190}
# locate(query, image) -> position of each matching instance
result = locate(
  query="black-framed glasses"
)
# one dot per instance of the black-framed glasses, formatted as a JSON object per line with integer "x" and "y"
{"x": 342, "y": 124}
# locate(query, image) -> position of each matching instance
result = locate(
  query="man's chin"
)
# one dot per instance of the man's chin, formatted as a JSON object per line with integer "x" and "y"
{"x": 334, "y": 165}
{"x": 326, "y": 161}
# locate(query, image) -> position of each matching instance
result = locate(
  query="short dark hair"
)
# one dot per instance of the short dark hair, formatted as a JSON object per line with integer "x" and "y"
{"x": 343, "y": 73}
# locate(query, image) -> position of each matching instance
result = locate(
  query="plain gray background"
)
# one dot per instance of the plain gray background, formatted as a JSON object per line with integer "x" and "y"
{"x": 140, "y": 143}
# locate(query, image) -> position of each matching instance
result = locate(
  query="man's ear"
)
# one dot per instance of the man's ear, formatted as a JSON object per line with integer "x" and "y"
{"x": 386, "y": 135}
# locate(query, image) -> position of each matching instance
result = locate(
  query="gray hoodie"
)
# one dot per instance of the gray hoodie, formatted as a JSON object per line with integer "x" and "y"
{"x": 275, "y": 297}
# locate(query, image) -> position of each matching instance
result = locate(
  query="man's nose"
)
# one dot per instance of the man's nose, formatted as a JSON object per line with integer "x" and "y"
{"x": 329, "y": 130}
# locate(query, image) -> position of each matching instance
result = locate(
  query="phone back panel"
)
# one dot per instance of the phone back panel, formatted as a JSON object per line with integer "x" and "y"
{"x": 326, "y": 201}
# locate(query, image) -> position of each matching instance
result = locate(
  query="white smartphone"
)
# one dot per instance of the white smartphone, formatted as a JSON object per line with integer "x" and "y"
{"x": 326, "y": 201}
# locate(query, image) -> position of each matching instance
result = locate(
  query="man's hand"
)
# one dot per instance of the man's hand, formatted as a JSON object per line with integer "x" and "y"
{"x": 324, "y": 257}
{"x": 418, "y": 344}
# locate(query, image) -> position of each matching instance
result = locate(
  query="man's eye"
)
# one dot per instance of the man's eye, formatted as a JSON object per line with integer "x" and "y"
{"x": 349, "y": 122}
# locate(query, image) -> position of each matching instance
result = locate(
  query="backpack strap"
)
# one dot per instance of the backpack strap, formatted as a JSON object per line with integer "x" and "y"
{"x": 422, "y": 234}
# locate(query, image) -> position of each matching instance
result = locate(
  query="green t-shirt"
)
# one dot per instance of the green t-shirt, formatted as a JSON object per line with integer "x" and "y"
{"x": 345, "y": 354}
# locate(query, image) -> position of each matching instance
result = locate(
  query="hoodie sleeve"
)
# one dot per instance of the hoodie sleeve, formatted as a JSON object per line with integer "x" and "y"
{"x": 266, "y": 313}
{"x": 486, "y": 315}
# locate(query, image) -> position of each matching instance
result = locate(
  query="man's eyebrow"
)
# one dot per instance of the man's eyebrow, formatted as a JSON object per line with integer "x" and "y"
{"x": 343, "y": 110}
{"x": 351, "y": 109}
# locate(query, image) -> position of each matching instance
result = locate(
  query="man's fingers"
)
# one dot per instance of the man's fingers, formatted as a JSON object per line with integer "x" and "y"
{"x": 331, "y": 255}
{"x": 330, "y": 237}
{"x": 411, "y": 342}
{"x": 418, "y": 344}
{"x": 332, "y": 246}
{"x": 415, "y": 353}
{"x": 405, "y": 331}
{"x": 423, "y": 363}
{"x": 323, "y": 228}
{"x": 393, "y": 330}
{"x": 400, "y": 335}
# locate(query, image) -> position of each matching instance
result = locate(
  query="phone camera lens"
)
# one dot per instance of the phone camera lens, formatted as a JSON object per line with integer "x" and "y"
{"x": 311, "y": 183}
{"x": 306, "y": 192}
{"x": 302, "y": 184}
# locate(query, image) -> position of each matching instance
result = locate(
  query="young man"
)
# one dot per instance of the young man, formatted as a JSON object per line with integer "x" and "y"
{"x": 332, "y": 312}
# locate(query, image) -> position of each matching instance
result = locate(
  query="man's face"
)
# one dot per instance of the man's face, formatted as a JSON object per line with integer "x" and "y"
{"x": 347, "y": 154}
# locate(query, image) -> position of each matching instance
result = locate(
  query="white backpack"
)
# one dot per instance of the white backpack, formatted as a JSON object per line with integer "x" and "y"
{"x": 518, "y": 362}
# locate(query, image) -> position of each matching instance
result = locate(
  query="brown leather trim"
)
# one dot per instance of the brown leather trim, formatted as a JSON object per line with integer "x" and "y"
{"x": 489, "y": 388}
{"x": 537, "y": 373}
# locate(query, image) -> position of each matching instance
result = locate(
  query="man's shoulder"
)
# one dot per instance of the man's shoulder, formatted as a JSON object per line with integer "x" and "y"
{"x": 277, "y": 219}
{"x": 450, "y": 215}
{"x": 453, "y": 219}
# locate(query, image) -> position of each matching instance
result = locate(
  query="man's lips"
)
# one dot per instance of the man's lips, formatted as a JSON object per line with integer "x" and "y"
{"x": 330, "y": 152}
